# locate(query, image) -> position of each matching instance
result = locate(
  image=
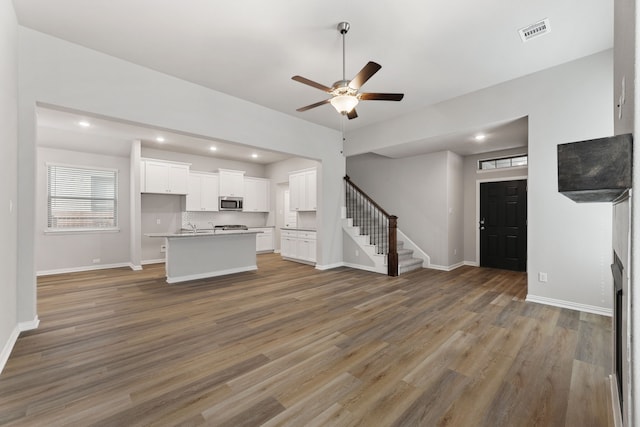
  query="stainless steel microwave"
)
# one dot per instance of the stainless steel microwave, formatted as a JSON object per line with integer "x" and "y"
{"x": 230, "y": 203}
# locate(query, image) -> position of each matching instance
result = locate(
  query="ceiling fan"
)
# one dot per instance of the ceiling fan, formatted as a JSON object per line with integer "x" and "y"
{"x": 345, "y": 93}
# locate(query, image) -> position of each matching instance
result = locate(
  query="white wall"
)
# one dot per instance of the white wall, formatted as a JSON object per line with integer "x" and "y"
{"x": 81, "y": 248}
{"x": 570, "y": 242}
{"x": 415, "y": 189}
{"x": 625, "y": 66}
{"x": 455, "y": 209}
{"x": 8, "y": 177}
{"x": 471, "y": 177}
{"x": 59, "y": 73}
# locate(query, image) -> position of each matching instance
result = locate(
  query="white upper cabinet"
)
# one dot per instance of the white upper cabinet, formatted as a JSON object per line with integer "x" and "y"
{"x": 164, "y": 177}
{"x": 256, "y": 194}
{"x": 302, "y": 190}
{"x": 203, "y": 192}
{"x": 231, "y": 183}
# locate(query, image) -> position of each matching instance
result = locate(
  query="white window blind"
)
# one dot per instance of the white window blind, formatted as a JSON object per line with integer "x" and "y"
{"x": 81, "y": 198}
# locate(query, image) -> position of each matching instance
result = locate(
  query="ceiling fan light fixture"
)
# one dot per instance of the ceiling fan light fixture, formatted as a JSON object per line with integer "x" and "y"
{"x": 344, "y": 103}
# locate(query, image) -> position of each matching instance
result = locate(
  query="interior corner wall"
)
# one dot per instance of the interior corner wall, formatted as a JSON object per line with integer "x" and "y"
{"x": 571, "y": 242}
{"x": 415, "y": 189}
{"x": 471, "y": 198}
{"x": 55, "y": 72}
{"x": 8, "y": 177}
{"x": 455, "y": 209}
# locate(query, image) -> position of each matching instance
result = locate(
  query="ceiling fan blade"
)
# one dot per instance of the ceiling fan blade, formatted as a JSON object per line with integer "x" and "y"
{"x": 352, "y": 114}
{"x": 311, "y": 83}
{"x": 365, "y": 74}
{"x": 317, "y": 104}
{"x": 381, "y": 96}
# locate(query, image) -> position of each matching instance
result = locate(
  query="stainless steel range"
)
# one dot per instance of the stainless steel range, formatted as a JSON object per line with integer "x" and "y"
{"x": 231, "y": 227}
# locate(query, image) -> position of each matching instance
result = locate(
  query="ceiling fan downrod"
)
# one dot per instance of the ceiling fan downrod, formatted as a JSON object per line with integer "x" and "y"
{"x": 343, "y": 28}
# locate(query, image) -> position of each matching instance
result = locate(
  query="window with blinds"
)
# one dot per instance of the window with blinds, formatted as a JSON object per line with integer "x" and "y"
{"x": 81, "y": 198}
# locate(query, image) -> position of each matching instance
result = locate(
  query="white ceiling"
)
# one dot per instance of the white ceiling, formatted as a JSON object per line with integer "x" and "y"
{"x": 61, "y": 129}
{"x": 429, "y": 50}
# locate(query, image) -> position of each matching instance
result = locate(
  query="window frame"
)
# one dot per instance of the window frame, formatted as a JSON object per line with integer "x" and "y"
{"x": 80, "y": 229}
{"x": 496, "y": 159}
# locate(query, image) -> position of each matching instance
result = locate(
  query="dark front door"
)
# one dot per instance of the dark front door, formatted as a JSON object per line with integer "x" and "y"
{"x": 503, "y": 225}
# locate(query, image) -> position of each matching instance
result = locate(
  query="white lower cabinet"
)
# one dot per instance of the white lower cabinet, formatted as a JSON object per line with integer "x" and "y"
{"x": 298, "y": 245}
{"x": 264, "y": 240}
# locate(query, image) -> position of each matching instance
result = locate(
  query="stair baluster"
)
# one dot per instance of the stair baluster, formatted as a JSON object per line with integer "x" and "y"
{"x": 375, "y": 222}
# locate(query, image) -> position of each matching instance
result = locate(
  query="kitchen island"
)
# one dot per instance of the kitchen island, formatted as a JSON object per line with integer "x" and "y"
{"x": 198, "y": 255}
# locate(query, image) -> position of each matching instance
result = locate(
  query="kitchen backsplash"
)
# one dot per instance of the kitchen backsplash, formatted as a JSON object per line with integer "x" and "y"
{"x": 204, "y": 219}
{"x": 307, "y": 220}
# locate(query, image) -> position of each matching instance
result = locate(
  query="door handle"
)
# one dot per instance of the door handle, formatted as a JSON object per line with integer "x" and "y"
{"x": 481, "y": 224}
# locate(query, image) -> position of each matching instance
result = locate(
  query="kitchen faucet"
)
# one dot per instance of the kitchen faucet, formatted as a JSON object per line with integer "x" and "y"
{"x": 212, "y": 226}
{"x": 193, "y": 227}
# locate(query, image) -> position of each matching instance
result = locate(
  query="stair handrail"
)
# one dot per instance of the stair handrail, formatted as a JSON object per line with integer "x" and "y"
{"x": 366, "y": 196}
{"x": 392, "y": 243}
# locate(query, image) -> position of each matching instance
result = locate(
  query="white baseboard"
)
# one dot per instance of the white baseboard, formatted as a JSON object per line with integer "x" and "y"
{"x": 570, "y": 305}
{"x": 152, "y": 261}
{"x": 135, "y": 267}
{"x": 11, "y": 342}
{"x": 364, "y": 267}
{"x": 329, "y": 266}
{"x": 178, "y": 279}
{"x": 446, "y": 267}
{"x": 30, "y": 325}
{"x": 80, "y": 269}
{"x": 8, "y": 347}
{"x": 472, "y": 263}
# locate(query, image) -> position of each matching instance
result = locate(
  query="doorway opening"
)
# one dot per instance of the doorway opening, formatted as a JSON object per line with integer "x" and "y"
{"x": 503, "y": 224}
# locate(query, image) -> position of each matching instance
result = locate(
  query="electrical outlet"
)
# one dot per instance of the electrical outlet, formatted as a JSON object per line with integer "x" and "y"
{"x": 357, "y": 252}
{"x": 96, "y": 260}
{"x": 542, "y": 277}
{"x": 163, "y": 248}
{"x": 158, "y": 221}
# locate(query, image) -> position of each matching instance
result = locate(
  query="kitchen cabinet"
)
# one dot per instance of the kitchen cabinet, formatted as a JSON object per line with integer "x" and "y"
{"x": 256, "y": 194}
{"x": 302, "y": 190}
{"x": 298, "y": 245}
{"x": 164, "y": 177}
{"x": 264, "y": 240}
{"x": 231, "y": 183}
{"x": 203, "y": 192}
{"x": 288, "y": 244}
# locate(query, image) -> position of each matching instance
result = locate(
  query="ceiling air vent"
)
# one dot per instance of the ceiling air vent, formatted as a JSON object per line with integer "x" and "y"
{"x": 535, "y": 30}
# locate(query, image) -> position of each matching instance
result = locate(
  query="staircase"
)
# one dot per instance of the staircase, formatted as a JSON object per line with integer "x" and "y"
{"x": 370, "y": 227}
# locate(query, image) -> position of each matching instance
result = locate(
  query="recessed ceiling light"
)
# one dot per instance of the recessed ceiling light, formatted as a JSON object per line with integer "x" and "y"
{"x": 84, "y": 123}
{"x": 212, "y": 148}
{"x": 480, "y": 137}
{"x": 160, "y": 139}
{"x": 254, "y": 155}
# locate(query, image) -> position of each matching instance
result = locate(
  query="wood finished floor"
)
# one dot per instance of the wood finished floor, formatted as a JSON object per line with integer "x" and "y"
{"x": 291, "y": 345}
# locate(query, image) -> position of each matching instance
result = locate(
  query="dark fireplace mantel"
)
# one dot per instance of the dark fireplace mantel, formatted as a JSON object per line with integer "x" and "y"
{"x": 596, "y": 170}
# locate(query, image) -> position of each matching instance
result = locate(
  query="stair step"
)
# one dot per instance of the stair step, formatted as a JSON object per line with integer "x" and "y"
{"x": 408, "y": 265}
